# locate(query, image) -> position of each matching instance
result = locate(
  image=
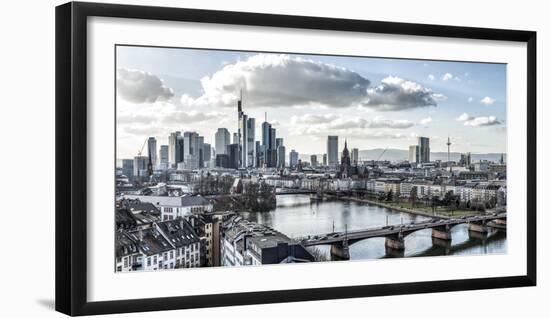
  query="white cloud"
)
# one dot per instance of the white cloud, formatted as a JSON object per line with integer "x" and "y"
{"x": 425, "y": 121}
{"x": 334, "y": 122}
{"x": 447, "y": 76}
{"x": 395, "y": 93}
{"x": 190, "y": 117}
{"x": 470, "y": 99}
{"x": 281, "y": 80}
{"x": 141, "y": 87}
{"x": 431, "y": 77}
{"x": 313, "y": 119}
{"x": 278, "y": 80}
{"x": 464, "y": 117}
{"x": 487, "y": 101}
{"x": 478, "y": 121}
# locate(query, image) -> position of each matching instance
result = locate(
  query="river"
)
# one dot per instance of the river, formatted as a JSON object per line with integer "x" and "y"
{"x": 296, "y": 216}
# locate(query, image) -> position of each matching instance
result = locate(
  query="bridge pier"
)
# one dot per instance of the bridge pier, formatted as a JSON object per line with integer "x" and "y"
{"x": 442, "y": 233}
{"x": 395, "y": 241}
{"x": 479, "y": 227}
{"x": 444, "y": 243}
{"x": 393, "y": 253}
{"x": 481, "y": 236}
{"x": 339, "y": 251}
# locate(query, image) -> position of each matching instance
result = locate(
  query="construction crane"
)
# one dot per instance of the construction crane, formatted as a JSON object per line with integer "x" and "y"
{"x": 377, "y": 159}
{"x": 142, "y": 146}
{"x": 383, "y": 152}
{"x": 139, "y": 155}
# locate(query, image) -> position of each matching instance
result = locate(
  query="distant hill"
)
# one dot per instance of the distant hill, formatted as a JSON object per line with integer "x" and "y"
{"x": 399, "y": 154}
{"x": 392, "y": 154}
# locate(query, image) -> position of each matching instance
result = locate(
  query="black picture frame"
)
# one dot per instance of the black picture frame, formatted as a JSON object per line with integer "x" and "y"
{"x": 71, "y": 157}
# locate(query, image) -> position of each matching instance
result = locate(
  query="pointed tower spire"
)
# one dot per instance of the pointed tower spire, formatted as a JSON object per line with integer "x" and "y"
{"x": 240, "y": 102}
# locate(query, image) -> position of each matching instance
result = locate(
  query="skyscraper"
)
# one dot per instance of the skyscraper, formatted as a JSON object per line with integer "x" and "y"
{"x": 191, "y": 150}
{"x": 314, "y": 160}
{"x": 242, "y": 137}
{"x": 324, "y": 159}
{"x": 332, "y": 150}
{"x": 207, "y": 155}
{"x": 245, "y": 136}
{"x": 179, "y": 151}
{"x": 266, "y": 133}
{"x": 281, "y": 154}
{"x": 273, "y": 147}
{"x": 424, "y": 149}
{"x": 200, "y": 148}
{"x": 233, "y": 154}
{"x": 259, "y": 154}
{"x": 269, "y": 144}
{"x": 223, "y": 138}
{"x": 466, "y": 159}
{"x": 235, "y": 138}
{"x": 414, "y": 154}
{"x": 128, "y": 168}
{"x": 250, "y": 142}
{"x": 172, "y": 139}
{"x": 140, "y": 167}
{"x": 163, "y": 154}
{"x": 293, "y": 158}
{"x": 354, "y": 156}
{"x": 152, "y": 151}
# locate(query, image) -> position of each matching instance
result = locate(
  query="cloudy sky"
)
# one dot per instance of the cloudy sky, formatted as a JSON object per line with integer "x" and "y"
{"x": 371, "y": 102}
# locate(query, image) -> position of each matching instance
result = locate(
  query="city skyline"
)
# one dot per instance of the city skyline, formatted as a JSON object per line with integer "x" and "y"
{"x": 375, "y": 108}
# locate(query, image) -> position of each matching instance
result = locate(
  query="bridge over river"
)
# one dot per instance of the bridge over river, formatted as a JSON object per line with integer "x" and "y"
{"x": 395, "y": 234}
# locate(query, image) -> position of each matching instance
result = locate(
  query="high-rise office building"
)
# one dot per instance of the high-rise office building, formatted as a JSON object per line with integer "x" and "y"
{"x": 424, "y": 149}
{"x": 172, "y": 140}
{"x": 324, "y": 159}
{"x": 266, "y": 134}
{"x": 314, "y": 160}
{"x": 152, "y": 151}
{"x": 140, "y": 167}
{"x": 250, "y": 142}
{"x": 273, "y": 147}
{"x": 163, "y": 154}
{"x": 233, "y": 156}
{"x": 242, "y": 136}
{"x": 223, "y": 138}
{"x": 269, "y": 136}
{"x": 222, "y": 160}
{"x": 466, "y": 159}
{"x": 279, "y": 142}
{"x": 259, "y": 154}
{"x": 414, "y": 154}
{"x": 179, "y": 151}
{"x": 235, "y": 139}
{"x": 207, "y": 155}
{"x": 332, "y": 150}
{"x": 200, "y": 147}
{"x": 191, "y": 150}
{"x": 246, "y": 132}
{"x": 293, "y": 158}
{"x": 281, "y": 154}
{"x": 128, "y": 168}
{"x": 354, "y": 156}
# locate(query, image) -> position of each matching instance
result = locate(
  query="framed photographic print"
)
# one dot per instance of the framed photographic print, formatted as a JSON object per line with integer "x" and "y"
{"x": 209, "y": 158}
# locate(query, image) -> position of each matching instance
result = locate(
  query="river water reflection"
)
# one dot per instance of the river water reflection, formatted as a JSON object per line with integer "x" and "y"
{"x": 296, "y": 216}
